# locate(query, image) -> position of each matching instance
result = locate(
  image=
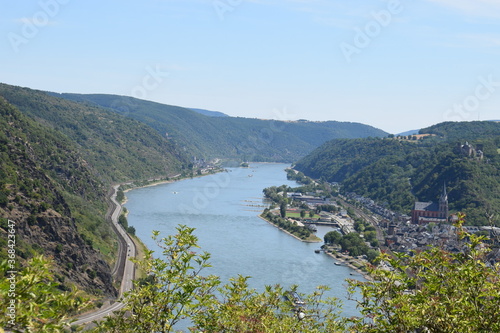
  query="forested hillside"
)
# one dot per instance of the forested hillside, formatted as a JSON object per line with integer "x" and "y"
{"x": 230, "y": 137}
{"x": 117, "y": 148}
{"x": 59, "y": 159}
{"x": 459, "y": 131}
{"x": 399, "y": 172}
{"x": 48, "y": 190}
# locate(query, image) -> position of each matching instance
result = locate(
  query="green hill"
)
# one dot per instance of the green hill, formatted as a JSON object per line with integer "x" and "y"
{"x": 118, "y": 148}
{"x": 461, "y": 131}
{"x": 51, "y": 194}
{"x": 58, "y": 160}
{"x": 230, "y": 137}
{"x": 400, "y": 172}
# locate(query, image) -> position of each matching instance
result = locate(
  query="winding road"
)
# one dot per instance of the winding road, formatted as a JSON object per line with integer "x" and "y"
{"x": 123, "y": 270}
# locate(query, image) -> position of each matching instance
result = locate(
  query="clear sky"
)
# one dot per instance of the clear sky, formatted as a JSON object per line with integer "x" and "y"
{"x": 397, "y": 65}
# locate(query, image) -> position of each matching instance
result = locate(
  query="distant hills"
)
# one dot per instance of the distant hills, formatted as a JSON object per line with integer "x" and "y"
{"x": 412, "y": 132}
{"x": 398, "y": 172}
{"x": 230, "y": 138}
{"x": 464, "y": 130}
{"x": 210, "y": 113}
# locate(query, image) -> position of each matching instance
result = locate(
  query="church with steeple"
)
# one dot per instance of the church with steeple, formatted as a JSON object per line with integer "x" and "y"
{"x": 426, "y": 212}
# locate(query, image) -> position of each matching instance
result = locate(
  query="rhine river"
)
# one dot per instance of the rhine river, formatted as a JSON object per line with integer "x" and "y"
{"x": 223, "y": 208}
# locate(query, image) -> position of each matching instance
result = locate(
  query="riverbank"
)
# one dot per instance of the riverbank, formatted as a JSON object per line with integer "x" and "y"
{"x": 175, "y": 178}
{"x": 154, "y": 183}
{"x": 346, "y": 260}
{"x": 289, "y": 233}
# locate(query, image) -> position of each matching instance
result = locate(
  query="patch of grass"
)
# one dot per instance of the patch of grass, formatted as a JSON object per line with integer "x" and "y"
{"x": 297, "y": 215}
{"x": 313, "y": 238}
{"x": 141, "y": 252}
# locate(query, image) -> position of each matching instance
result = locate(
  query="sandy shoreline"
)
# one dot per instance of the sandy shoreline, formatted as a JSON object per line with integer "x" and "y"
{"x": 160, "y": 182}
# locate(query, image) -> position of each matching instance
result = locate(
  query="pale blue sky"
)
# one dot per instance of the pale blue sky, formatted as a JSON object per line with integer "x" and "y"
{"x": 415, "y": 64}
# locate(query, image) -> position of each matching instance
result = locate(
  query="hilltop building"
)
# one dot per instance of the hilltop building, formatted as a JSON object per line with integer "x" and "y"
{"x": 468, "y": 150}
{"x": 426, "y": 212}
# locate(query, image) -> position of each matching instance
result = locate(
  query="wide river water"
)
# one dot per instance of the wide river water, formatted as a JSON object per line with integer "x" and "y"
{"x": 223, "y": 208}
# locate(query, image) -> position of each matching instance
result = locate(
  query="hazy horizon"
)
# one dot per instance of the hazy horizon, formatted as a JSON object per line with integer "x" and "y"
{"x": 395, "y": 65}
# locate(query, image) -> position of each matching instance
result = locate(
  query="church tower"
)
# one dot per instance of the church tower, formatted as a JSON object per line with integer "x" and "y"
{"x": 443, "y": 204}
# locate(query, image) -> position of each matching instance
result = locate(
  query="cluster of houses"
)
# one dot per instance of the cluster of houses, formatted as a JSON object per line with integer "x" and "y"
{"x": 376, "y": 208}
{"x": 417, "y": 237}
{"x": 414, "y": 237}
{"x": 427, "y": 226}
{"x": 204, "y": 166}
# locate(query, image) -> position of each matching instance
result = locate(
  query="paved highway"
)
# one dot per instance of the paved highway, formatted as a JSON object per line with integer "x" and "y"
{"x": 126, "y": 250}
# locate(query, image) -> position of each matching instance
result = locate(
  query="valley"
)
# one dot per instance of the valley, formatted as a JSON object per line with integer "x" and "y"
{"x": 62, "y": 153}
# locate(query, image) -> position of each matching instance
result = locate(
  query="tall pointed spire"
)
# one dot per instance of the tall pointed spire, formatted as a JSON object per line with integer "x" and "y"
{"x": 443, "y": 203}
{"x": 444, "y": 195}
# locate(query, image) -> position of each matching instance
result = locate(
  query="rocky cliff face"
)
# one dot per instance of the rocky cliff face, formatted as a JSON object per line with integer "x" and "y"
{"x": 76, "y": 262}
{"x": 38, "y": 173}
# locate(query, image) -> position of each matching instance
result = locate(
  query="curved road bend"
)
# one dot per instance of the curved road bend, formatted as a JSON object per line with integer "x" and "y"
{"x": 126, "y": 250}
